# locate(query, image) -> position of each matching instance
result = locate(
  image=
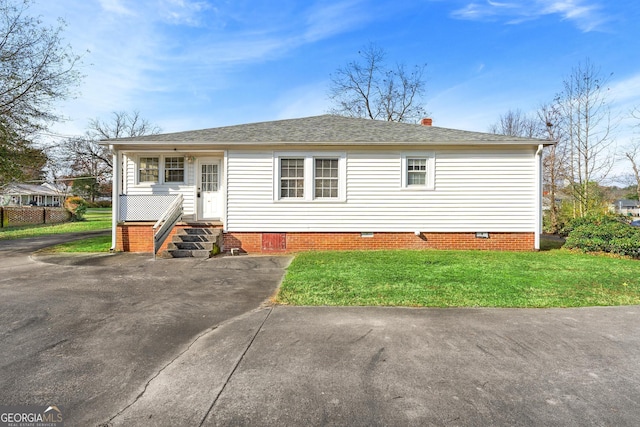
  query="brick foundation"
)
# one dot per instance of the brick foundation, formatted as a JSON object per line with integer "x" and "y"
{"x": 298, "y": 242}
{"x": 138, "y": 237}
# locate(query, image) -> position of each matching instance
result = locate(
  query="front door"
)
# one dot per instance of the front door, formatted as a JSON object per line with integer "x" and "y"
{"x": 209, "y": 189}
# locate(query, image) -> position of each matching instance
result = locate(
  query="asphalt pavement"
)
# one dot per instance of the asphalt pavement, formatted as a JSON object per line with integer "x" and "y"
{"x": 116, "y": 340}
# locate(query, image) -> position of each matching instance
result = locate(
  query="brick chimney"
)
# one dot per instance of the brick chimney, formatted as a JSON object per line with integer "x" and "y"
{"x": 426, "y": 122}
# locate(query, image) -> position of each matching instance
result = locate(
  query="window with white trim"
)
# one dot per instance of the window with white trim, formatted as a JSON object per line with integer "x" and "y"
{"x": 291, "y": 178}
{"x": 161, "y": 169}
{"x": 174, "y": 169}
{"x": 310, "y": 176}
{"x": 326, "y": 178}
{"x": 418, "y": 170}
{"x": 148, "y": 169}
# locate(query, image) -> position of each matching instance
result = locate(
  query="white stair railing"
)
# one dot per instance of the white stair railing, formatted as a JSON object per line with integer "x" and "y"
{"x": 165, "y": 224}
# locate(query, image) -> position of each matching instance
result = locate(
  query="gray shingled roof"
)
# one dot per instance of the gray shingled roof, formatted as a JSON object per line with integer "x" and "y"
{"x": 326, "y": 129}
{"x": 29, "y": 189}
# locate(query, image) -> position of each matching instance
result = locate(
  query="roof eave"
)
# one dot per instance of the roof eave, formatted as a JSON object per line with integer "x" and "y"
{"x": 181, "y": 145}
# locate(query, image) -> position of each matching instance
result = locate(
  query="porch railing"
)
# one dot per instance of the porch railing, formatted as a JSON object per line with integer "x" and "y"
{"x": 165, "y": 224}
{"x": 147, "y": 207}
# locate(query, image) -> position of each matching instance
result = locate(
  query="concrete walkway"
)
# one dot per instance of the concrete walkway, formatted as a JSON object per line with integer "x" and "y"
{"x": 116, "y": 341}
{"x": 397, "y": 366}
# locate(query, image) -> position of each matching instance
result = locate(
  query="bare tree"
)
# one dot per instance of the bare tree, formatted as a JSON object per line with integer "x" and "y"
{"x": 370, "y": 89}
{"x": 516, "y": 123}
{"x": 84, "y": 155}
{"x": 121, "y": 125}
{"x": 554, "y": 161}
{"x": 586, "y": 123}
{"x": 37, "y": 68}
{"x": 632, "y": 153}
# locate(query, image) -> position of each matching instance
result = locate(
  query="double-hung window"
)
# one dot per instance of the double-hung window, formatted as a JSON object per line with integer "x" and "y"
{"x": 418, "y": 170}
{"x": 310, "y": 176}
{"x": 291, "y": 178}
{"x": 174, "y": 169}
{"x": 161, "y": 169}
{"x": 149, "y": 168}
{"x": 326, "y": 178}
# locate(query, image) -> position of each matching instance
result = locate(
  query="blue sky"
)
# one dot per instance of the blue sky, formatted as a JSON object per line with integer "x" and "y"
{"x": 190, "y": 64}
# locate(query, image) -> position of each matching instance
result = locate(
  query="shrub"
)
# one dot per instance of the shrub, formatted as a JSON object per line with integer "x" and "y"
{"x": 77, "y": 206}
{"x": 99, "y": 204}
{"x": 604, "y": 233}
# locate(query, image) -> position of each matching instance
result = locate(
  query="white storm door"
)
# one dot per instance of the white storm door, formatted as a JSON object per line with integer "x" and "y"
{"x": 209, "y": 189}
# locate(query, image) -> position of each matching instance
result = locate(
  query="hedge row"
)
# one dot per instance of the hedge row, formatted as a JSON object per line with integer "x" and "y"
{"x": 604, "y": 234}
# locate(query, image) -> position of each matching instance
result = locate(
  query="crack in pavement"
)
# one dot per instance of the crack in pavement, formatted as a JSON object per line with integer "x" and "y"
{"x": 146, "y": 386}
{"x": 240, "y": 359}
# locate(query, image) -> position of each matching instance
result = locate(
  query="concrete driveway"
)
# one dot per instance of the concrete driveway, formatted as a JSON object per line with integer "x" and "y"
{"x": 366, "y": 366}
{"x": 119, "y": 344}
{"x": 88, "y": 333}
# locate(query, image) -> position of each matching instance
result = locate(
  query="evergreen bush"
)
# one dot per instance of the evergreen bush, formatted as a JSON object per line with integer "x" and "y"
{"x": 604, "y": 233}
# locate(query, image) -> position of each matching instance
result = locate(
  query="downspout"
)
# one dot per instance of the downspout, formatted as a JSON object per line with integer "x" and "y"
{"x": 115, "y": 197}
{"x": 538, "y": 219}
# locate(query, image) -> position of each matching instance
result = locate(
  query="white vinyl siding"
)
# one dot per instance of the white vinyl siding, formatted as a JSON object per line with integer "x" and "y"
{"x": 475, "y": 189}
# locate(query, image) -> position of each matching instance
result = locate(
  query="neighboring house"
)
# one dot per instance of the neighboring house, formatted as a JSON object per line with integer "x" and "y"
{"x": 626, "y": 207}
{"x": 16, "y": 194}
{"x": 332, "y": 182}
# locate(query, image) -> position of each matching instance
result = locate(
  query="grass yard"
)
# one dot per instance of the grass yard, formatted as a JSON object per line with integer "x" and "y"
{"x": 95, "y": 219}
{"x": 555, "y": 278}
{"x": 92, "y": 244}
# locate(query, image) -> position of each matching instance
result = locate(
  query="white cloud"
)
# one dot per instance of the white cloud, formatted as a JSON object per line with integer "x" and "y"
{"x": 627, "y": 90}
{"x": 329, "y": 20}
{"x": 170, "y": 59}
{"x": 585, "y": 14}
{"x": 115, "y": 6}
{"x": 184, "y": 11}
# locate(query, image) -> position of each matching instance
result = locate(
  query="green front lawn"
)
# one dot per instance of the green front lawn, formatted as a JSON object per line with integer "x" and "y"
{"x": 556, "y": 278}
{"x": 92, "y": 244}
{"x": 95, "y": 219}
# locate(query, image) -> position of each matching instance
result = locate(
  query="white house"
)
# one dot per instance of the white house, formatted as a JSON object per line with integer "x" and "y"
{"x": 18, "y": 194}
{"x": 332, "y": 182}
{"x": 626, "y": 207}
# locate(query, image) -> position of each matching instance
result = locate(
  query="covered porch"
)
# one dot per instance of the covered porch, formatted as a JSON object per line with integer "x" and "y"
{"x": 148, "y": 180}
{"x": 139, "y": 218}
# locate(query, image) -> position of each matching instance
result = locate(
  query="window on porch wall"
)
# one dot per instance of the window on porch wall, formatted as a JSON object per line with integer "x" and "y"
{"x": 149, "y": 169}
{"x": 174, "y": 169}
